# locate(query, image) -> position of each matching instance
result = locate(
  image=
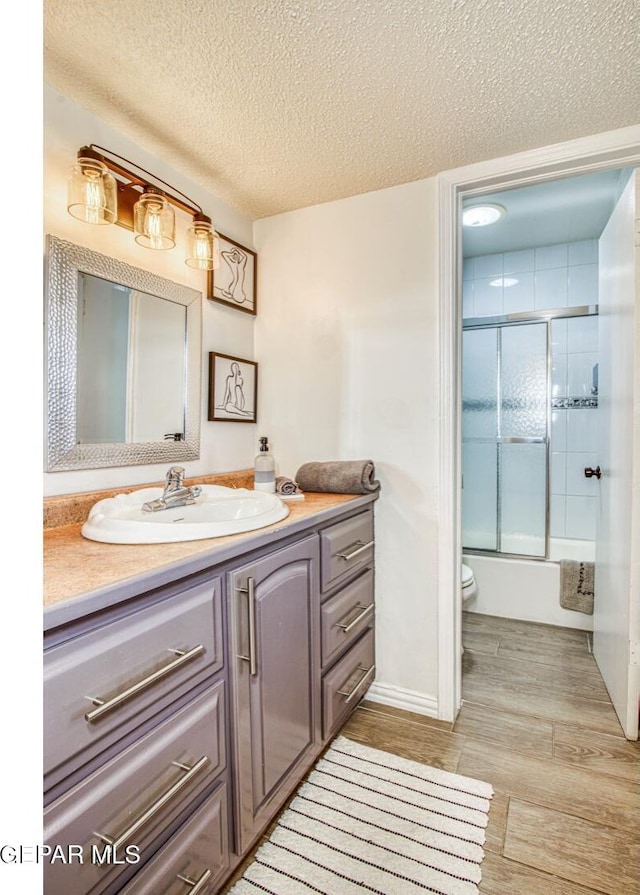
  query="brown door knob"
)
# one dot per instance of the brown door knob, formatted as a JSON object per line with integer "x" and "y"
{"x": 589, "y": 472}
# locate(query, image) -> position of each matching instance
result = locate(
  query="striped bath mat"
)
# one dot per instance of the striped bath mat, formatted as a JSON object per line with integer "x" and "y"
{"x": 368, "y": 821}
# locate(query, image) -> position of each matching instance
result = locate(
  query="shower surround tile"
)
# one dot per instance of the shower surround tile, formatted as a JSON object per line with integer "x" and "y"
{"x": 488, "y": 265}
{"x": 550, "y": 288}
{"x": 583, "y": 252}
{"x": 518, "y": 262}
{"x": 545, "y": 277}
{"x": 581, "y": 434}
{"x": 577, "y": 484}
{"x": 563, "y": 275}
{"x": 582, "y": 334}
{"x": 559, "y": 375}
{"x": 557, "y": 516}
{"x": 559, "y": 336}
{"x": 583, "y": 285}
{"x": 552, "y": 256}
{"x": 487, "y": 299}
{"x": 558, "y": 472}
{"x": 580, "y": 519}
{"x": 519, "y": 297}
{"x": 580, "y": 373}
{"x": 559, "y": 430}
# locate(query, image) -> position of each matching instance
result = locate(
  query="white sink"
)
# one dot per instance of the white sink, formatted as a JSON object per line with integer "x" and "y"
{"x": 216, "y": 512}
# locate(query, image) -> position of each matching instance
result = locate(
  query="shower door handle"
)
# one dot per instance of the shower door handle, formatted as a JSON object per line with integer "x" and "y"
{"x": 589, "y": 472}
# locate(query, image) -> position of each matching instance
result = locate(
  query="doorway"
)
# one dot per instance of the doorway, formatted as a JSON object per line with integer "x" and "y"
{"x": 602, "y": 153}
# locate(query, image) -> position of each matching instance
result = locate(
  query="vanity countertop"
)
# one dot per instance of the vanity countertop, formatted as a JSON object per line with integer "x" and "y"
{"x": 82, "y": 576}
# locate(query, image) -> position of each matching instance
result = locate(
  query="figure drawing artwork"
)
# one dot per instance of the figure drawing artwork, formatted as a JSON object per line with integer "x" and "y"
{"x": 233, "y": 282}
{"x": 233, "y": 389}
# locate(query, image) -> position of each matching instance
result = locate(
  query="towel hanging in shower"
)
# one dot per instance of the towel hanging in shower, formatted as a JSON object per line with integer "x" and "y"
{"x": 576, "y": 585}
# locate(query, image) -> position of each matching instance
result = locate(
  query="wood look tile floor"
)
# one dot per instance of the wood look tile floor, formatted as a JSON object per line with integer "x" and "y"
{"x": 537, "y": 723}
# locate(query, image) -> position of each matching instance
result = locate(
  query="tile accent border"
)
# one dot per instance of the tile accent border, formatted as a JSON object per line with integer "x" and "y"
{"x": 570, "y": 403}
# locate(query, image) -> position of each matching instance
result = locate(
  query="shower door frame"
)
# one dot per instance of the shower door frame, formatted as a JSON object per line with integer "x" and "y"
{"x": 599, "y": 152}
{"x": 523, "y": 318}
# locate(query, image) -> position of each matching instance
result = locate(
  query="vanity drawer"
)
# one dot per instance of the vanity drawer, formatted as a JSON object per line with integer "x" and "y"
{"x": 346, "y": 683}
{"x": 199, "y": 852}
{"x": 345, "y": 616}
{"x": 345, "y": 547}
{"x": 132, "y": 799}
{"x": 136, "y": 665}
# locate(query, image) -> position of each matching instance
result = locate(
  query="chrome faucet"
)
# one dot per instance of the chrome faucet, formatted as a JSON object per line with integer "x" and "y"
{"x": 175, "y": 493}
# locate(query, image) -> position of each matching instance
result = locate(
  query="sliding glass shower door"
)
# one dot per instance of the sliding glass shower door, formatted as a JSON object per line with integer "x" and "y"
{"x": 504, "y": 444}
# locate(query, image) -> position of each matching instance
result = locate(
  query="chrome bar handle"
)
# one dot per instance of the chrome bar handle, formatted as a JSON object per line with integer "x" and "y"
{"x": 197, "y": 885}
{"x": 360, "y": 548}
{"x": 105, "y": 706}
{"x": 361, "y": 680}
{"x": 157, "y": 806}
{"x": 358, "y": 618}
{"x": 250, "y": 591}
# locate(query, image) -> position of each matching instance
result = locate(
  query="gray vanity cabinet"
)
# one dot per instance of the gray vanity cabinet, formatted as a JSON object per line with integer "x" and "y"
{"x": 275, "y": 679}
{"x": 346, "y": 617}
{"x": 180, "y": 717}
{"x": 136, "y": 737}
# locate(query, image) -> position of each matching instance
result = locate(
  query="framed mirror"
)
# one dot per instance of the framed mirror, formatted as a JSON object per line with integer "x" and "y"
{"x": 123, "y": 354}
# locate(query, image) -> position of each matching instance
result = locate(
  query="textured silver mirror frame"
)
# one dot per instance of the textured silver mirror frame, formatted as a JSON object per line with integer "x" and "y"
{"x": 64, "y": 260}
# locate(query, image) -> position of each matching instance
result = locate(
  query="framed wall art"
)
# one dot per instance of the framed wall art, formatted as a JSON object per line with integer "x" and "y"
{"x": 233, "y": 282}
{"x": 233, "y": 389}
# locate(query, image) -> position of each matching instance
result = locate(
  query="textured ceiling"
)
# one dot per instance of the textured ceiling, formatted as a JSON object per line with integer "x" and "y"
{"x": 279, "y": 104}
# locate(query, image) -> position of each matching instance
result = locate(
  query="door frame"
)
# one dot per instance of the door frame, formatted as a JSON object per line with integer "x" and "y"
{"x": 587, "y": 155}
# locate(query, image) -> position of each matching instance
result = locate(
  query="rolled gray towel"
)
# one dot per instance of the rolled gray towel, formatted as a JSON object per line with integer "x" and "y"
{"x": 285, "y": 485}
{"x": 338, "y": 477}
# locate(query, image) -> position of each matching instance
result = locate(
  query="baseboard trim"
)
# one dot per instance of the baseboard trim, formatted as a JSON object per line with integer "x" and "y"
{"x": 399, "y": 698}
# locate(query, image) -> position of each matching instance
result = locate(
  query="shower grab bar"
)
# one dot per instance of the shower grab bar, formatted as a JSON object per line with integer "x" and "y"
{"x": 508, "y": 439}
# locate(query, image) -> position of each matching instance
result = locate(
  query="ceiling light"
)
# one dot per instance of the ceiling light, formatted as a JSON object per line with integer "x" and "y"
{"x": 103, "y": 190}
{"x": 482, "y": 215}
{"x": 504, "y": 281}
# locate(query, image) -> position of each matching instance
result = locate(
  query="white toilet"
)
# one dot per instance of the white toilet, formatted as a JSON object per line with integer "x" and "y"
{"x": 468, "y": 581}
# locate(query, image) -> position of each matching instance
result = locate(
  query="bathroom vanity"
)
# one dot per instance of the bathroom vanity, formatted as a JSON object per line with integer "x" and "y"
{"x": 187, "y": 695}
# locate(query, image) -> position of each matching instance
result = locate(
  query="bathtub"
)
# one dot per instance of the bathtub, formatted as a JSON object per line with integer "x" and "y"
{"x": 528, "y": 589}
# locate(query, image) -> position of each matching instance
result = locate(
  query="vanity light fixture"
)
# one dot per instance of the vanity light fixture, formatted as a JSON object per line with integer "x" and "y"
{"x": 102, "y": 190}
{"x": 482, "y": 215}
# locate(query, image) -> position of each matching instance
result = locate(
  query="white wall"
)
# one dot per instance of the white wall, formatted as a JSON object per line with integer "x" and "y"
{"x": 347, "y": 341}
{"x": 67, "y": 127}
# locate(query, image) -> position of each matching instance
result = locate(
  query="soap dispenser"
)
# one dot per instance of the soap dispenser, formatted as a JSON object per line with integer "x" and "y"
{"x": 264, "y": 469}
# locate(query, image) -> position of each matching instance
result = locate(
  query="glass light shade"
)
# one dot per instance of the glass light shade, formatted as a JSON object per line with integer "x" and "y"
{"x": 154, "y": 221}
{"x": 482, "y": 215}
{"x": 92, "y": 192}
{"x": 202, "y": 245}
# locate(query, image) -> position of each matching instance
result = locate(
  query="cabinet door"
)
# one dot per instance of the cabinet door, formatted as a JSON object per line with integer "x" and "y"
{"x": 274, "y": 608}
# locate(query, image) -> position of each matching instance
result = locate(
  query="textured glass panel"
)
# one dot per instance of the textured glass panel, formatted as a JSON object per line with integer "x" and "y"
{"x": 523, "y": 498}
{"x": 479, "y": 496}
{"x": 479, "y": 383}
{"x": 523, "y": 377}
